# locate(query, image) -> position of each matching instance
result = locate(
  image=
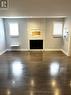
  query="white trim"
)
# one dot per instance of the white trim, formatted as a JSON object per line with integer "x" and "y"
{"x": 33, "y": 49}
{"x": 65, "y": 52}
{"x": 58, "y": 50}
{"x": 52, "y": 49}
{"x": 17, "y": 50}
{"x": 38, "y": 50}
{"x": 3, "y": 52}
{"x": 33, "y": 16}
{"x": 25, "y": 50}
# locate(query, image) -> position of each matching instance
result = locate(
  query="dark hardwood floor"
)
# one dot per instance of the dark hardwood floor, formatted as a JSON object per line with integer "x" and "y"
{"x": 35, "y": 73}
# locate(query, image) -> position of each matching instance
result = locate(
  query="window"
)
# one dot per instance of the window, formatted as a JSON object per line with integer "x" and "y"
{"x": 13, "y": 29}
{"x": 57, "y": 29}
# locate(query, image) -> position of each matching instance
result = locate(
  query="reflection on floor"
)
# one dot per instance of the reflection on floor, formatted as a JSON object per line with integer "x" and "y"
{"x": 35, "y": 73}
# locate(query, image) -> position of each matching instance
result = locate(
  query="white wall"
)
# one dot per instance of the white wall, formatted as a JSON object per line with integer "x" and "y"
{"x": 69, "y": 35}
{"x": 52, "y": 42}
{"x": 2, "y": 37}
{"x": 25, "y": 27}
{"x": 66, "y": 37}
{"x": 23, "y": 35}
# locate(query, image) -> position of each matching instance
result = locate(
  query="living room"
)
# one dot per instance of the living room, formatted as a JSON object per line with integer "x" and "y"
{"x": 35, "y": 47}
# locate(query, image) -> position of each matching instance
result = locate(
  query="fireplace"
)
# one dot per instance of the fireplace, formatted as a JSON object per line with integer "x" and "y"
{"x": 36, "y": 44}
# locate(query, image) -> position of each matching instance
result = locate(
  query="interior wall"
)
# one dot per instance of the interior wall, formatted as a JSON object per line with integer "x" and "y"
{"x": 23, "y": 36}
{"x": 2, "y": 37}
{"x": 70, "y": 45}
{"x": 25, "y": 26}
{"x": 52, "y": 42}
{"x": 66, "y": 36}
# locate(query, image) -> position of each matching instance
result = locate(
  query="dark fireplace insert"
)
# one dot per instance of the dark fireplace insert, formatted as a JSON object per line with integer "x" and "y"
{"x": 36, "y": 44}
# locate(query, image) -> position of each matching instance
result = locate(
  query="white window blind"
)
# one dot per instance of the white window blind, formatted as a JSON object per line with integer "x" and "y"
{"x": 57, "y": 29}
{"x": 13, "y": 29}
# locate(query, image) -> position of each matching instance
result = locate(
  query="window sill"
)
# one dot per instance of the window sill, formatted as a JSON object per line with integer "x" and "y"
{"x": 57, "y": 36}
{"x": 14, "y": 36}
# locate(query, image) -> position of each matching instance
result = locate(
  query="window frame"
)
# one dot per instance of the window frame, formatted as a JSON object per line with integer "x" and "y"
{"x": 57, "y": 35}
{"x": 17, "y": 27}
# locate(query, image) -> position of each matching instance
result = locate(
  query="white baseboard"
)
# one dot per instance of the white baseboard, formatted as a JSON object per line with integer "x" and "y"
{"x": 65, "y": 52}
{"x": 25, "y": 50}
{"x": 52, "y": 49}
{"x": 17, "y": 50}
{"x": 37, "y": 50}
{"x": 3, "y": 52}
{"x": 33, "y": 49}
{"x": 58, "y": 50}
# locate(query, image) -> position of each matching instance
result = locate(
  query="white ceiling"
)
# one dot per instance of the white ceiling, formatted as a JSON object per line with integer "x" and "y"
{"x": 37, "y": 8}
